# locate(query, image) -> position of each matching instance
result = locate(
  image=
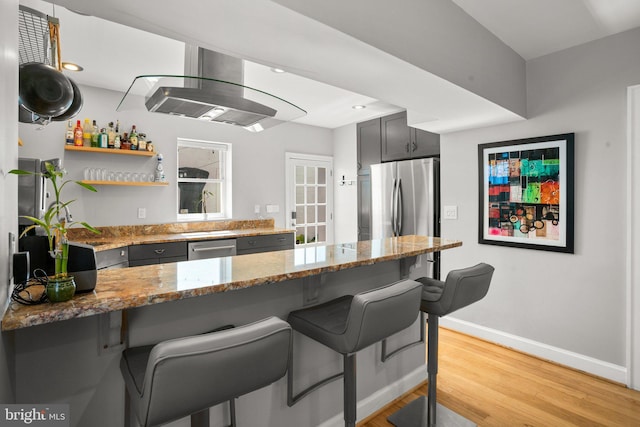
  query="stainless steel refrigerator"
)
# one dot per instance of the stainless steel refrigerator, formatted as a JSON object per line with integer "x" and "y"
{"x": 405, "y": 199}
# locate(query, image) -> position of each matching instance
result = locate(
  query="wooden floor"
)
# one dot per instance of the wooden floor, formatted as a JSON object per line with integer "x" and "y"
{"x": 495, "y": 386}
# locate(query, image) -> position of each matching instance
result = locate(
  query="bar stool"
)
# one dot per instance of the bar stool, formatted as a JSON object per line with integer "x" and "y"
{"x": 187, "y": 376}
{"x": 351, "y": 323}
{"x": 461, "y": 288}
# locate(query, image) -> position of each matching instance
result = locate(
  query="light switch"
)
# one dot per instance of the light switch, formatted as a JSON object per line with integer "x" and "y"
{"x": 451, "y": 212}
{"x": 273, "y": 208}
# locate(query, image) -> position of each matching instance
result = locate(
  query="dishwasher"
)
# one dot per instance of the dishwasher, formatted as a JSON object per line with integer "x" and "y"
{"x": 212, "y": 249}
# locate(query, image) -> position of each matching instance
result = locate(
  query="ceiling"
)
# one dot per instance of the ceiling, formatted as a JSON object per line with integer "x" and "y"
{"x": 112, "y": 54}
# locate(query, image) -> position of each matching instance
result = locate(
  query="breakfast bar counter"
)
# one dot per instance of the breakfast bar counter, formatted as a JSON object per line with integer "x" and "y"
{"x": 122, "y": 289}
{"x": 69, "y": 352}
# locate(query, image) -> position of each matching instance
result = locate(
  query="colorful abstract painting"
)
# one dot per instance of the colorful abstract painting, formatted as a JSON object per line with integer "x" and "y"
{"x": 526, "y": 193}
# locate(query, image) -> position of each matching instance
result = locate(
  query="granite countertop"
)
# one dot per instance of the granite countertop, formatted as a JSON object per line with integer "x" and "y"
{"x": 120, "y": 236}
{"x": 121, "y": 289}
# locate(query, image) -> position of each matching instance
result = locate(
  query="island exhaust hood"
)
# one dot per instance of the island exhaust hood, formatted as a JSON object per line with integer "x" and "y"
{"x": 212, "y": 89}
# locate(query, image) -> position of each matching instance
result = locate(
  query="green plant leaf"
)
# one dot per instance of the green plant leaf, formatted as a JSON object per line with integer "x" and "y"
{"x": 87, "y": 186}
{"x": 90, "y": 228}
{"x": 20, "y": 172}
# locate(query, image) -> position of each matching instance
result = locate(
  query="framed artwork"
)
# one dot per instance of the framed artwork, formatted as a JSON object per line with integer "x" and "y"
{"x": 526, "y": 193}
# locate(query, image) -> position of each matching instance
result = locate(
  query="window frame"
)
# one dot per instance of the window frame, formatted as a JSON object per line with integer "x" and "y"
{"x": 225, "y": 179}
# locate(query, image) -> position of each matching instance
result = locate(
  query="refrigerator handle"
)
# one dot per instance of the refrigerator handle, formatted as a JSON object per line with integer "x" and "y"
{"x": 399, "y": 210}
{"x": 393, "y": 208}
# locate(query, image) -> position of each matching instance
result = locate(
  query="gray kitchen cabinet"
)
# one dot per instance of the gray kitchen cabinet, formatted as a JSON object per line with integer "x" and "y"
{"x": 368, "y": 136}
{"x": 157, "y": 253}
{"x": 401, "y": 142}
{"x": 264, "y": 243}
{"x": 364, "y": 207}
{"x": 112, "y": 258}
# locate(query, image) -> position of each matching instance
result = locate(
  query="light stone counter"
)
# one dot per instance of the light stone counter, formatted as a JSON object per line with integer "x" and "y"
{"x": 122, "y": 289}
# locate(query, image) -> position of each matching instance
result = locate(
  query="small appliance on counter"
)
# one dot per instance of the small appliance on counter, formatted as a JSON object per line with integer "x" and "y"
{"x": 82, "y": 266}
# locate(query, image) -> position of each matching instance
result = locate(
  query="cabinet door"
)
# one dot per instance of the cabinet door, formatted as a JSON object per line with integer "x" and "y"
{"x": 364, "y": 207}
{"x": 265, "y": 243}
{"x": 368, "y": 145}
{"x": 396, "y": 137}
{"x": 424, "y": 144}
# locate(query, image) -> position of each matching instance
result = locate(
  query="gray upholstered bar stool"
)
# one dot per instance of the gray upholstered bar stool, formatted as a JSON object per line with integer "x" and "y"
{"x": 187, "y": 376}
{"x": 351, "y": 323}
{"x": 461, "y": 288}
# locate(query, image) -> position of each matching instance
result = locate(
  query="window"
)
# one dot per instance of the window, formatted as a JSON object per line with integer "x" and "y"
{"x": 204, "y": 180}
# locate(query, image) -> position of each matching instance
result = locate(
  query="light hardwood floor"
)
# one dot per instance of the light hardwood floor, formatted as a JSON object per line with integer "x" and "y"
{"x": 495, "y": 386}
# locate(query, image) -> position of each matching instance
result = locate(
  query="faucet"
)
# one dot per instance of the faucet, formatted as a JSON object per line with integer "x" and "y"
{"x": 67, "y": 214}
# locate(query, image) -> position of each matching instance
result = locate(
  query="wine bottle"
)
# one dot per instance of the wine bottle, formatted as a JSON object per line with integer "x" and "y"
{"x": 78, "y": 135}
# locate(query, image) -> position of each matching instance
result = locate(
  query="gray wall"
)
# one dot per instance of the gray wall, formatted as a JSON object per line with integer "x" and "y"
{"x": 8, "y": 161}
{"x": 436, "y": 36}
{"x": 258, "y": 161}
{"x": 572, "y": 302}
{"x": 346, "y": 196}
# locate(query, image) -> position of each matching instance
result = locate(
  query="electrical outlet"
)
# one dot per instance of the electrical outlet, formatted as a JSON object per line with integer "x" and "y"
{"x": 142, "y": 213}
{"x": 256, "y": 209}
{"x": 450, "y": 212}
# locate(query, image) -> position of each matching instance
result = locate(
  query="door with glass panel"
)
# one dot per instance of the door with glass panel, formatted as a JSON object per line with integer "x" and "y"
{"x": 310, "y": 198}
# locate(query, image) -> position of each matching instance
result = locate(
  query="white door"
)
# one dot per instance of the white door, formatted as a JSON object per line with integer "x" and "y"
{"x": 310, "y": 198}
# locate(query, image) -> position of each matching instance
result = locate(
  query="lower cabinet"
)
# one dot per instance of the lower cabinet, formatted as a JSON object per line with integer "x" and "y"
{"x": 157, "y": 253}
{"x": 112, "y": 258}
{"x": 264, "y": 243}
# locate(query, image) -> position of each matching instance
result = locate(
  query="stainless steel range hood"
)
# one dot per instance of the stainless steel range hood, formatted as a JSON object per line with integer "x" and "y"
{"x": 212, "y": 89}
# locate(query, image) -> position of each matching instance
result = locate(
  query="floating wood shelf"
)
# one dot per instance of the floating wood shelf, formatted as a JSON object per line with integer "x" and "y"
{"x": 127, "y": 183}
{"x": 109, "y": 151}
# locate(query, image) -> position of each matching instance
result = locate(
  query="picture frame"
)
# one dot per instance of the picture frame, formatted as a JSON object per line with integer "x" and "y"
{"x": 526, "y": 189}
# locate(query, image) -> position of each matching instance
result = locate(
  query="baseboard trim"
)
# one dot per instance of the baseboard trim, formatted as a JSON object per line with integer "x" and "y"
{"x": 555, "y": 354}
{"x": 383, "y": 397}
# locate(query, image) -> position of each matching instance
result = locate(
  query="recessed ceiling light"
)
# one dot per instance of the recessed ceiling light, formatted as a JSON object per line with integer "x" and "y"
{"x": 277, "y": 70}
{"x": 359, "y": 107}
{"x": 70, "y": 66}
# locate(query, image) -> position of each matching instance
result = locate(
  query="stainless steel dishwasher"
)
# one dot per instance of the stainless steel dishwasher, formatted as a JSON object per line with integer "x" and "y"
{"x": 212, "y": 249}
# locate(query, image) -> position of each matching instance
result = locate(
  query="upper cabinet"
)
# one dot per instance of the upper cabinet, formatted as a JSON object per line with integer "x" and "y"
{"x": 368, "y": 145}
{"x": 401, "y": 142}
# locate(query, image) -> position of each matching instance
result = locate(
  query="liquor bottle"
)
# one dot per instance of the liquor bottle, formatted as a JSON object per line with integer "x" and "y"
{"x": 103, "y": 138}
{"x": 159, "y": 172}
{"x": 124, "y": 142}
{"x": 86, "y": 133}
{"x": 116, "y": 142}
{"x": 68, "y": 136}
{"x": 142, "y": 142}
{"x": 111, "y": 134}
{"x": 95, "y": 134}
{"x": 78, "y": 135}
{"x": 133, "y": 138}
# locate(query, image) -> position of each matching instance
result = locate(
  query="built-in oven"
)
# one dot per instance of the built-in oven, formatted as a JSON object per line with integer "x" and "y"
{"x": 212, "y": 249}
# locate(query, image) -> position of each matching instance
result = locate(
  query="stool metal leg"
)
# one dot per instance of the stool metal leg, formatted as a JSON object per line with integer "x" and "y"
{"x": 350, "y": 400}
{"x": 421, "y": 412}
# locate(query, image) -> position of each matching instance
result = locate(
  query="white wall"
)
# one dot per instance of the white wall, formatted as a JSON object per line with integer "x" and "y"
{"x": 8, "y": 183}
{"x": 258, "y": 161}
{"x": 345, "y": 196}
{"x": 571, "y": 307}
{"x": 436, "y": 36}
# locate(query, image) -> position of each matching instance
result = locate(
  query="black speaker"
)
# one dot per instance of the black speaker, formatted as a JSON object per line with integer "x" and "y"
{"x": 21, "y": 267}
{"x": 82, "y": 266}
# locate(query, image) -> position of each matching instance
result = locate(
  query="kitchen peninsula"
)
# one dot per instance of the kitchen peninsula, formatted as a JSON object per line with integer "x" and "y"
{"x": 65, "y": 361}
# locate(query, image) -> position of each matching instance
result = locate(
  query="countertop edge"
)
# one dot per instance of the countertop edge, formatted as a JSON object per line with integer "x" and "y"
{"x": 75, "y": 309}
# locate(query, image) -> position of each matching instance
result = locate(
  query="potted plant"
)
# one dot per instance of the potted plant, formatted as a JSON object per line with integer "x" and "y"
{"x": 61, "y": 286}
